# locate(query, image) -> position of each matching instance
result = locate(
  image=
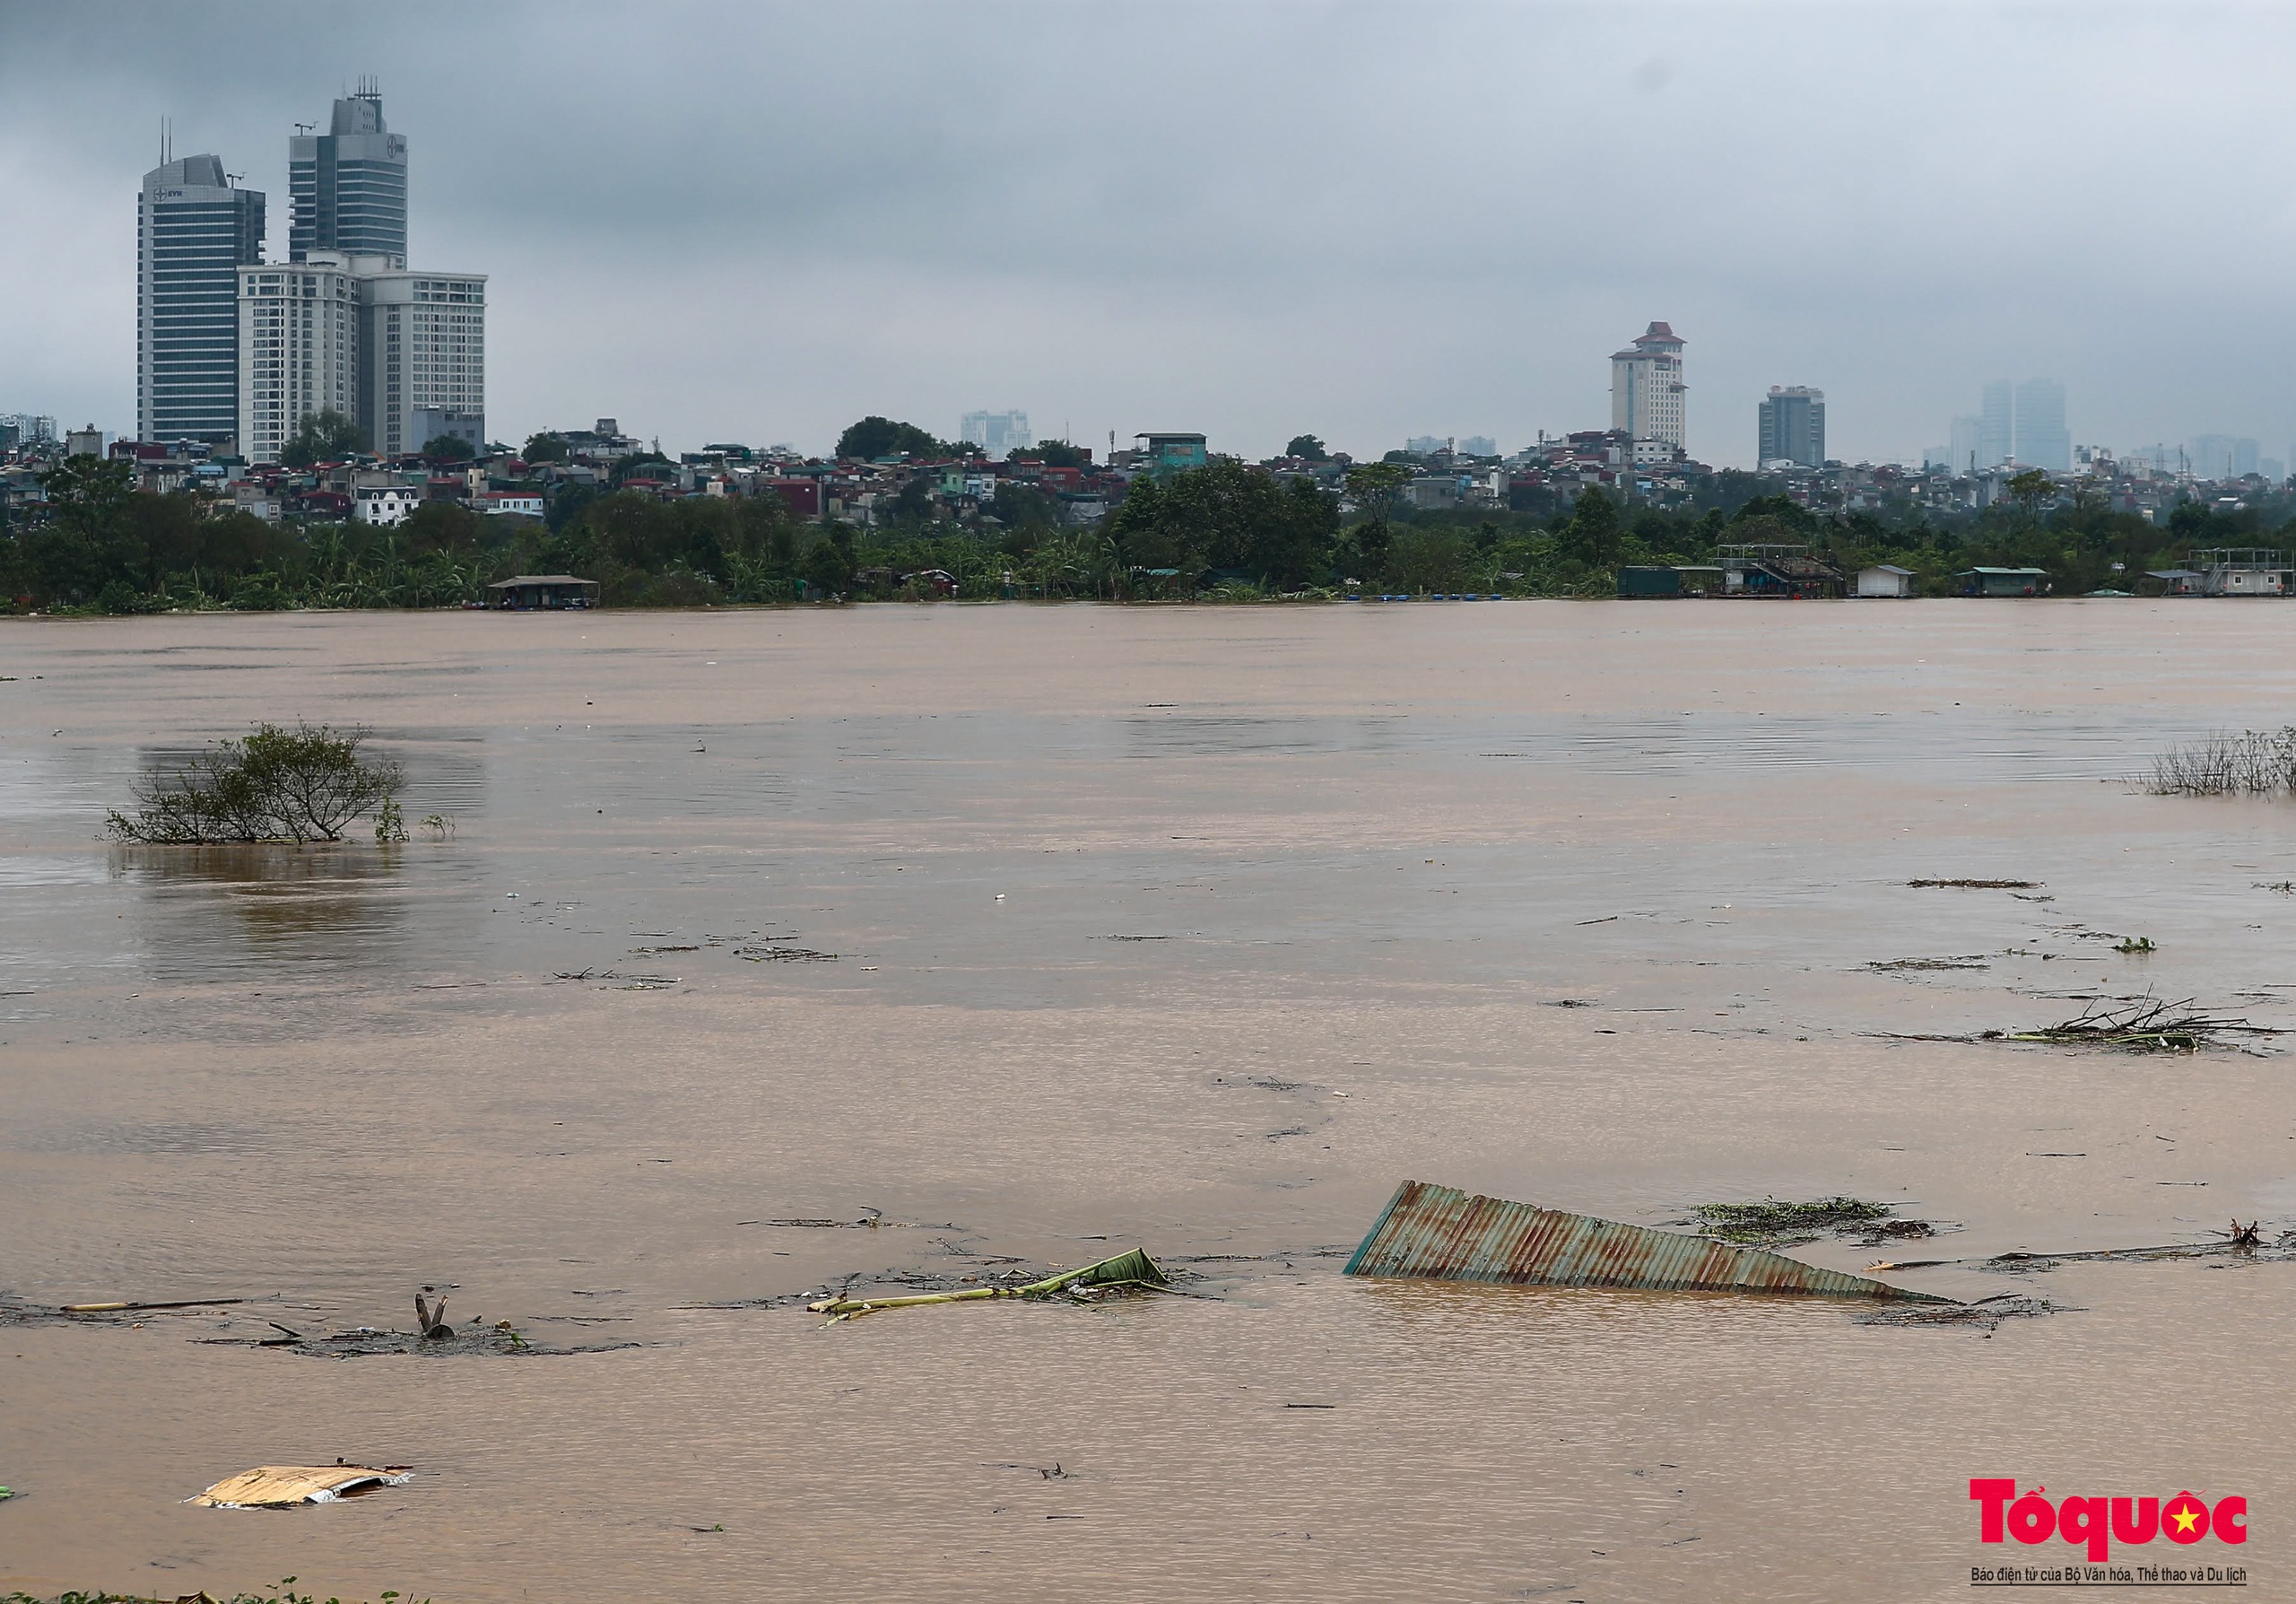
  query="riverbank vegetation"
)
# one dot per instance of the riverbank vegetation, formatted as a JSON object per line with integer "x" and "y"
{"x": 1225, "y": 532}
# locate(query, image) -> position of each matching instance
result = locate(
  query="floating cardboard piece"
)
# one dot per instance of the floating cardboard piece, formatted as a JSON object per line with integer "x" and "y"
{"x": 281, "y": 1487}
{"x": 1437, "y": 1232}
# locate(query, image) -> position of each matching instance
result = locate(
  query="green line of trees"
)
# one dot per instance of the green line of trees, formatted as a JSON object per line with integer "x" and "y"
{"x": 1226, "y": 528}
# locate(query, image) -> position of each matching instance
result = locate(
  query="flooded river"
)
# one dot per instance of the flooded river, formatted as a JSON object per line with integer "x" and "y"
{"x": 1034, "y": 933}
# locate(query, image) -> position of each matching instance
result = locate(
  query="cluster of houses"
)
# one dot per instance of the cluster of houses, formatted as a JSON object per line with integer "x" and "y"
{"x": 373, "y": 491}
{"x": 1077, "y": 490}
{"x": 1792, "y": 573}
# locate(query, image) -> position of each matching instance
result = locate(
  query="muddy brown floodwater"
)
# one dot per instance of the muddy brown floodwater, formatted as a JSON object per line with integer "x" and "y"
{"x": 1196, "y": 929}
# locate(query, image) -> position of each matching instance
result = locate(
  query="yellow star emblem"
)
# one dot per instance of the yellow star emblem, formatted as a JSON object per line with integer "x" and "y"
{"x": 2184, "y": 1515}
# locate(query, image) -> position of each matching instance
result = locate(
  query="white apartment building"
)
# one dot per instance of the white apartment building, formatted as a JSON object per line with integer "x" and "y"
{"x": 426, "y": 357}
{"x": 1646, "y": 389}
{"x": 298, "y": 349}
{"x": 401, "y": 353}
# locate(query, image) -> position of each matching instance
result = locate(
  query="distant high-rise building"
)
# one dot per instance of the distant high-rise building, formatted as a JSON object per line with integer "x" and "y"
{"x": 1968, "y": 444}
{"x": 401, "y": 353}
{"x": 423, "y": 358}
{"x": 1996, "y": 439}
{"x": 1427, "y": 445}
{"x": 1793, "y": 427}
{"x": 193, "y": 228}
{"x": 299, "y": 348}
{"x": 346, "y": 188}
{"x": 1479, "y": 445}
{"x": 1646, "y": 389}
{"x": 2043, "y": 441}
{"x": 997, "y": 432}
{"x": 2221, "y": 456}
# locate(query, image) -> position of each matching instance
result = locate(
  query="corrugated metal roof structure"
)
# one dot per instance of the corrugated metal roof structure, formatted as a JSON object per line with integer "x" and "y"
{"x": 1437, "y": 1232}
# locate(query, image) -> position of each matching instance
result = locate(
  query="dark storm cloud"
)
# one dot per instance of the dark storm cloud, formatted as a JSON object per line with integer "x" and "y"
{"x": 758, "y": 222}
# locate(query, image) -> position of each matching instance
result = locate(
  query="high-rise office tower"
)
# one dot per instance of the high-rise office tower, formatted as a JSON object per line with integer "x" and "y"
{"x": 346, "y": 189}
{"x": 1646, "y": 389}
{"x": 2043, "y": 441}
{"x": 193, "y": 228}
{"x": 1996, "y": 439}
{"x": 1793, "y": 427}
{"x": 298, "y": 349}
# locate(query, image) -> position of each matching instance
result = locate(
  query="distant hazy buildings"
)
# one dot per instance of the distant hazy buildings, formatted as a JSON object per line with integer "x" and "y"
{"x": 997, "y": 432}
{"x": 1646, "y": 389}
{"x": 2221, "y": 457}
{"x": 2042, "y": 441}
{"x": 1479, "y": 445}
{"x": 347, "y": 187}
{"x": 194, "y": 227}
{"x": 1793, "y": 427}
{"x": 2021, "y": 423}
{"x": 1996, "y": 434}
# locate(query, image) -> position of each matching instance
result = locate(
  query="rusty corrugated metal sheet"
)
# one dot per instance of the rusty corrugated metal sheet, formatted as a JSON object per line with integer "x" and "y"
{"x": 1437, "y": 1232}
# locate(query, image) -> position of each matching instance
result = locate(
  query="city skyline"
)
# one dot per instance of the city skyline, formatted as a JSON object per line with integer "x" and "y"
{"x": 917, "y": 262}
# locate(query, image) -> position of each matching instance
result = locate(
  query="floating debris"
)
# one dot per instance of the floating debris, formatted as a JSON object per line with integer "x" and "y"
{"x": 783, "y": 955}
{"x": 1133, "y": 1268}
{"x": 639, "y": 981}
{"x": 1437, "y": 1232}
{"x": 1973, "y": 961}
{"x": 1982, "y": 884}
{"x": 283, "y": 1487}
{"x": 2146, "y": 1025}
{"x": 137, "y": 1308}
{"x": 1771, "y": 1223}
{"x": 1988, "y": 1313}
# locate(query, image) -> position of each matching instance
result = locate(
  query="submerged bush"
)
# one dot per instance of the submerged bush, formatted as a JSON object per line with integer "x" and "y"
{"x": 300, "y": 785}
{"x": 2253, "y": 763}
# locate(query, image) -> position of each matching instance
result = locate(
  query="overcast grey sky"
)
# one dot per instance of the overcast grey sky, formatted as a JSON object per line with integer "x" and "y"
{"x": 760, "y": 222}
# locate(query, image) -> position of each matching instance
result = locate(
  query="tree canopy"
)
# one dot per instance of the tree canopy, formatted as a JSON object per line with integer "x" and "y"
{"x": 549, "y": 446}
{"x": 1308, "y": 449}
{"x": 873, "y": 437}
{"x": 322, "y": 436}
{"x": 1052, "y": 453}
{"x": 1225, "y": 515}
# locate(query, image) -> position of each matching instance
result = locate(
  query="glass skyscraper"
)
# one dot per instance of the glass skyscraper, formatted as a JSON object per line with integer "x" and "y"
{"x": 193, "y": 229}
{"x": 346, "y": 189}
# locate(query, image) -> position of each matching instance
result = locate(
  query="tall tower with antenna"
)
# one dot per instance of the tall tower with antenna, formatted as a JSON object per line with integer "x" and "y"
{"x": 346, "y": 189}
